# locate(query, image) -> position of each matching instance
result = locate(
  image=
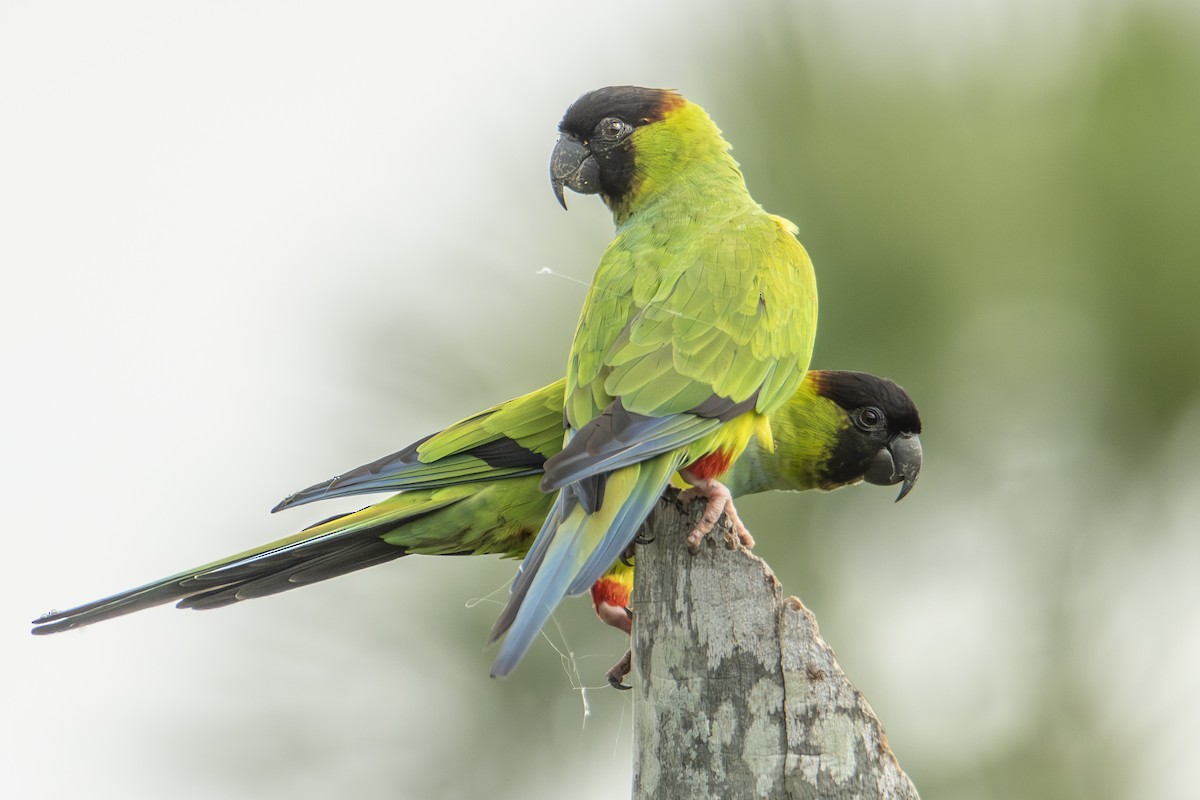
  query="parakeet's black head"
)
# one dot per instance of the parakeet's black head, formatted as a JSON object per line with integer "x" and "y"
{"x": 881, "y": 444}
{"x": 595, "y": 151}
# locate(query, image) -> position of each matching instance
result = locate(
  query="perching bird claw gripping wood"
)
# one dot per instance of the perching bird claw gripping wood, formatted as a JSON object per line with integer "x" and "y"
{"x": 737, "y": 695}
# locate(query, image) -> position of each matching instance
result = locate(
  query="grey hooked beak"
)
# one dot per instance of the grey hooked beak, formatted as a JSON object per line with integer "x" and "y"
{"x": 899, "y": 461}
{"x": 573, "y": 166}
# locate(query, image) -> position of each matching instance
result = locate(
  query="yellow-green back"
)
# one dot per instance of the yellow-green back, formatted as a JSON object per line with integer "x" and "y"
{"x": 701, "y": 293}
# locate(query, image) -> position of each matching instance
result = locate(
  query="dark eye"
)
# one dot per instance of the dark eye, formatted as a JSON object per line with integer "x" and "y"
{"x": 869, "y": 418}
{"x": 611, "y": 128}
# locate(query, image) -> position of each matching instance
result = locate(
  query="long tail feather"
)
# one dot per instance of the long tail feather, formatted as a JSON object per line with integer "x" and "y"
{"x": 573, "y": 549}
{"x": 336, "y": 546}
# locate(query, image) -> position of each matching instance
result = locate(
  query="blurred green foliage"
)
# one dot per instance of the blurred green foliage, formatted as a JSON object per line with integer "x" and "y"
{"x": 926, "y": 203}
{"x": 1019, "y": 248}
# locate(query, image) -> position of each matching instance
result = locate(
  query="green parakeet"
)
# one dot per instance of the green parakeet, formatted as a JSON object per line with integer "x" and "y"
{"x": 698, "y": 324}
{"x": 473, "y": 489}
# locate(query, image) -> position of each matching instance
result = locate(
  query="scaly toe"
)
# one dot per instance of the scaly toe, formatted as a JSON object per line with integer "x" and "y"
{"x": 719, "y": 501}
{"x": 746, "y": 539}
{"x": 739, "y": 528}
{"x": 616, "y": 675}
{"x": 707, "y": 522}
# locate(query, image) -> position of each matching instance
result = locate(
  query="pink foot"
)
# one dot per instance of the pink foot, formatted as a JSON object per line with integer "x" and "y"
{"x": 720, "y": 501}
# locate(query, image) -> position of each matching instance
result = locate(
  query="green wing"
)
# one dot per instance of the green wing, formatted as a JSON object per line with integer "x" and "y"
{"x": 508, "y": 440}
{"x": 673, "y": 374}
{"x": 732, "y": 317}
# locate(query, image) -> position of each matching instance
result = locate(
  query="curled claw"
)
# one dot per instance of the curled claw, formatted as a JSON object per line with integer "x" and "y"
{"x": 616, "y": 675}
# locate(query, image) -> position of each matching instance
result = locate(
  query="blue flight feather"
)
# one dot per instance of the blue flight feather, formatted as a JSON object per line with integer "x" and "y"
{"x": 552, "y": 569}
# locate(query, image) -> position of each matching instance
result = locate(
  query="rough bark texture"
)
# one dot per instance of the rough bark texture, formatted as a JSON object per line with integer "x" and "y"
{"x": 736, "y": 694}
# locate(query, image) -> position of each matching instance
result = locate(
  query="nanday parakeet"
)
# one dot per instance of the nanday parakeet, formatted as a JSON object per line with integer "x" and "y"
{"x": 699, "y": 323}
{"x": 473, "y": 489}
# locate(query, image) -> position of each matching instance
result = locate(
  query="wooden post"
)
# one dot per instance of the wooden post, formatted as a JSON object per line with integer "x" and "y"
{"x": 736, "y": 694}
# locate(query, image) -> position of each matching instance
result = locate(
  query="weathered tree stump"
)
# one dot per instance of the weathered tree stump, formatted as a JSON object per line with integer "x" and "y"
{"x": 736, "y": 694}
